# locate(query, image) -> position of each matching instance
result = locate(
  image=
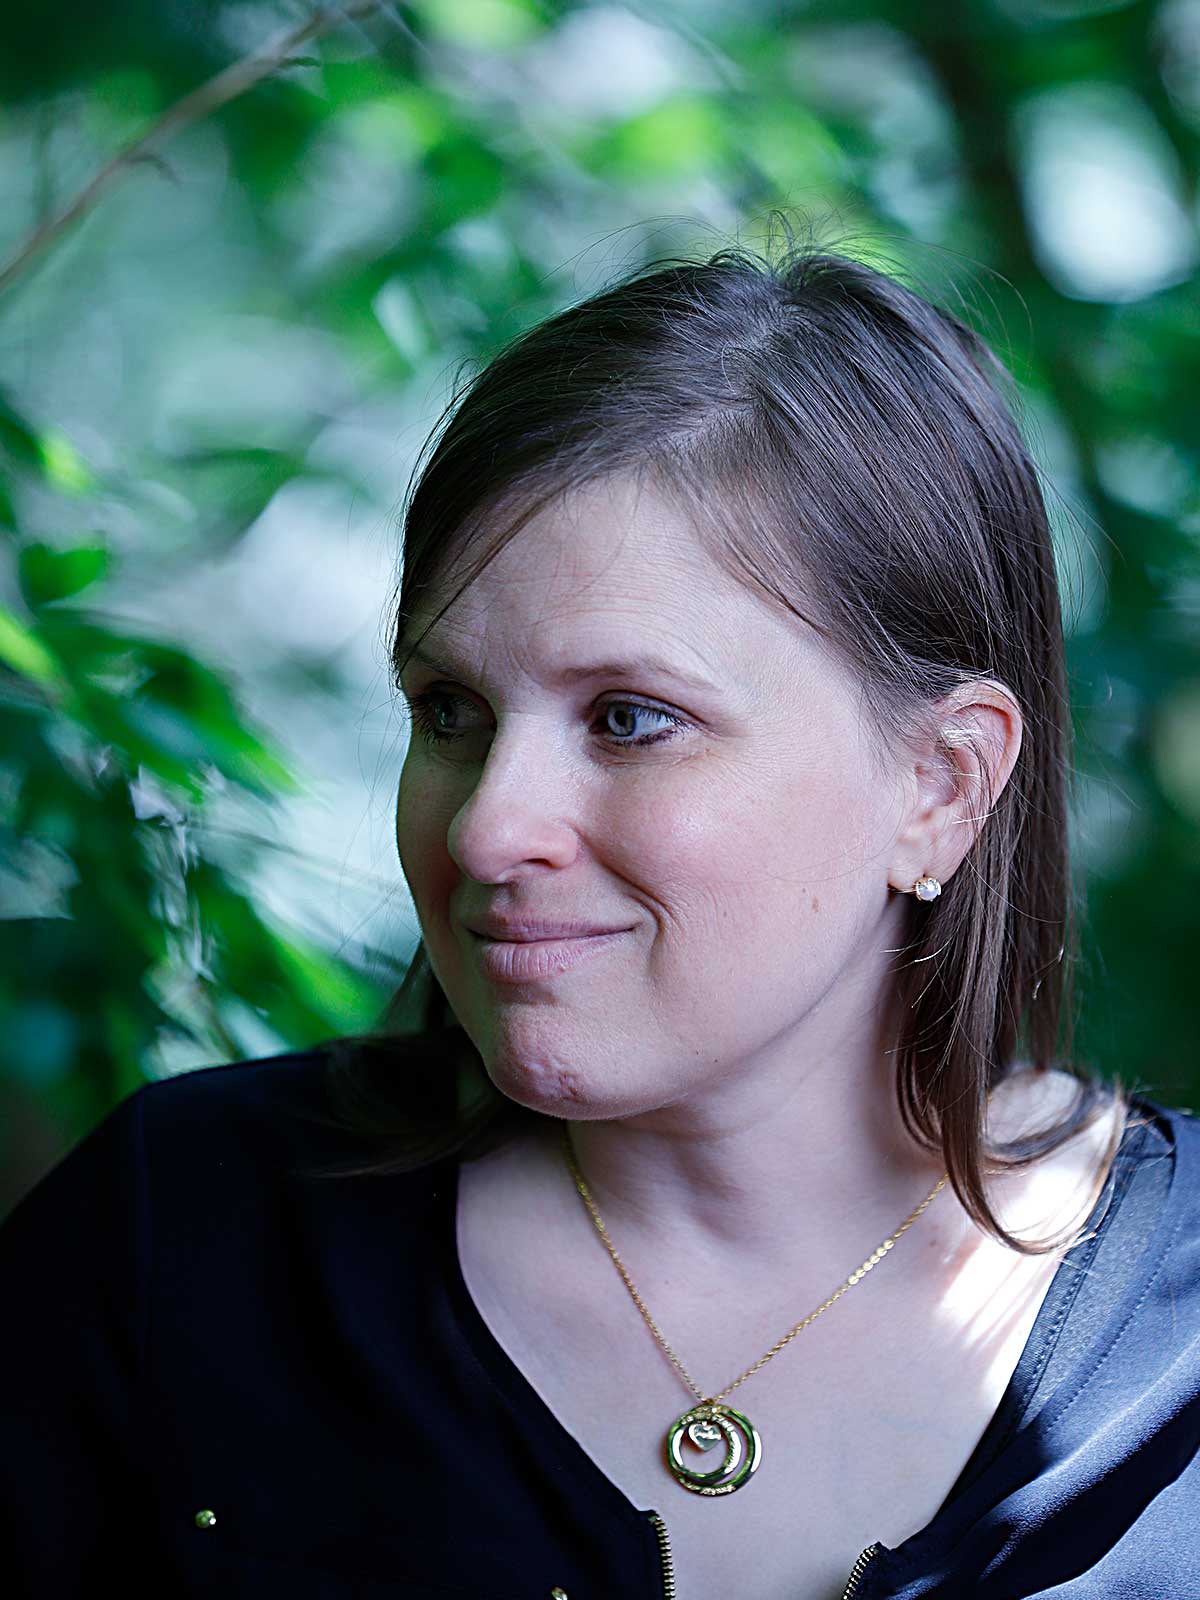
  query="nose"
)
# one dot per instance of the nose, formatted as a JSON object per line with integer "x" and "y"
{"x": 522, "y": 809}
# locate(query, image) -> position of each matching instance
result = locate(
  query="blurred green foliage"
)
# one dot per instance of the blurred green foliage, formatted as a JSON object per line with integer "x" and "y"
{"x": 257, "y": 317}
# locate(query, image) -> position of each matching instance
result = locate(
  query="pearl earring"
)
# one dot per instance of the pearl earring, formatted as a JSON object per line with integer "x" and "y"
{"x": 927, "y": 888}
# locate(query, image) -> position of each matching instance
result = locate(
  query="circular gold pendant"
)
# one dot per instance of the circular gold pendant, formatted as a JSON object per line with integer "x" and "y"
{"x": 706, "y": 1425}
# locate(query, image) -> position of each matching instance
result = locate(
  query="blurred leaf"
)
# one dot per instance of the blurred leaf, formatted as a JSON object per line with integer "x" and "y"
{"x": 160, "y": 707}
{"x": 18, "y": 439}
{"x": 194, "y": 709}
{"x": 1177, "y": 748}
{"x": 487, "y": 24}
{"x": 239, "y": 481}
{"x": 332, "y": 988}
{"x": 48, "y": 574}
{"x": 24, "y": 652}
{"x": 8, "y": 514}
{"x": 683, "y": 135}
{"x": 465, "y": 178}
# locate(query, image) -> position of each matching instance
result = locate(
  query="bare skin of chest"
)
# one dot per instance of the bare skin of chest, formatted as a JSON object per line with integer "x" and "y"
{"x": 866, "y": 1417}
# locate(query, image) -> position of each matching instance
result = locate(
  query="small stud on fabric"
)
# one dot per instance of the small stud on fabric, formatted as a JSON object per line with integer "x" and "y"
{"x": 205, "y": 1519}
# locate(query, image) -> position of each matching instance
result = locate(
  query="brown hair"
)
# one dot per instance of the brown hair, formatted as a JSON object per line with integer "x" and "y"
{"x": 843, "y": 446}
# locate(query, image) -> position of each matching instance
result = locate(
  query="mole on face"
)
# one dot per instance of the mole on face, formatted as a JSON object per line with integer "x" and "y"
{"x": 816, "y": 904}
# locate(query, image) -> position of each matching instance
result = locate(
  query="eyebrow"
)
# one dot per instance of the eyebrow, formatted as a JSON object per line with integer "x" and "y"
{"x": 595, "y": 669}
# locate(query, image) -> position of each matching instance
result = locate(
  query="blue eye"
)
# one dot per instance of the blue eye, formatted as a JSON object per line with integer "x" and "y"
{"x": 425, "y": 710}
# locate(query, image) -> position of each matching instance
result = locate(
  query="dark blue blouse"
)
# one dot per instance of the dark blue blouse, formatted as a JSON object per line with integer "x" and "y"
{"x": 191, "y": 1325}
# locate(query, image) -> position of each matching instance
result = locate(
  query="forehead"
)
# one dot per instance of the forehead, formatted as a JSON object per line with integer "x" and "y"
{"x": 611, "y": 570}
{"x": 604, "y": 539}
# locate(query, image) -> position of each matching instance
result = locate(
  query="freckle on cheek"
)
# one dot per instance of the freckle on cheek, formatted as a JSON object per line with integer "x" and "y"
{"x": 816, "y": 904}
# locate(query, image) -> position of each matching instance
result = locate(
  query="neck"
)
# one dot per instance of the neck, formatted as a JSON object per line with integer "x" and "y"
{"x": 796, "y": 1178}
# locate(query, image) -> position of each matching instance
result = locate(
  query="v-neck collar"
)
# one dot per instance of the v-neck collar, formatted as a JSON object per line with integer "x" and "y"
{"x": 534, "y": 1414}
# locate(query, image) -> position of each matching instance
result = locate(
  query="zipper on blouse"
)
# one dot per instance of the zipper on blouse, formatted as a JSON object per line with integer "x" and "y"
{"x": 664, "y": 1547}
{"x": 668, "y": 1565}
{"x": 860, "y": 1566}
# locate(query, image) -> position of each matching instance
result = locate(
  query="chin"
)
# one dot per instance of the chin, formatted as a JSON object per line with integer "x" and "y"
{"x": 554, "y": 1088}
{"x": 561, "y": 1089}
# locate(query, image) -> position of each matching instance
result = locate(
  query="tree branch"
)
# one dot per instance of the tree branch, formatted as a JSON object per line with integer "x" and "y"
{"x": 227, "y": 85}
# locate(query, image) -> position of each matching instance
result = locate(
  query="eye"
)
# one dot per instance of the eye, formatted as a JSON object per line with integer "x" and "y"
{"x": 426, "y": 708}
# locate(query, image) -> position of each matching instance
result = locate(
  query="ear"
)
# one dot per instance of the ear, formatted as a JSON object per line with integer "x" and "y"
{"x": 954, "y": 775}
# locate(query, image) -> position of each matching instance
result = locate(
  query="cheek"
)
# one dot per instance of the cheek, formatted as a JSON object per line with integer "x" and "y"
{"x": 421, "y": 827}
{"x": 767, "y": 892}
{"x": 755, "y": 835}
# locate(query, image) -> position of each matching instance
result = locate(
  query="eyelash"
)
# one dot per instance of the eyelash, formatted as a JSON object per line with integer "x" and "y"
{"x": 421, "y": 708}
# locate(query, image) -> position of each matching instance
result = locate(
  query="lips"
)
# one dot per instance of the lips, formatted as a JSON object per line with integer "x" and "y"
{"x": 537, "y": 960}
{"x": 527, "y": 930}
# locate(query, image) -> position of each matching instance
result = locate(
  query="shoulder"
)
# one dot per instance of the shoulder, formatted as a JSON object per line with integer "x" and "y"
{"x": 1172, "y": 1134}
{"x": 1029, "y": 1102}
{"x": 215, "y": 1137}
{"x": 1060, "y": 1190}
{"x": 268, "y": 1126}
{"x": 259, "y": 1099}
{"x": 293, "y": 1075}
{"x": 204, "y": 1125}
{"x": 1167, "y": 1139}
{"x": 1175, "y": 1125}
{"x": 166, "y": 1123}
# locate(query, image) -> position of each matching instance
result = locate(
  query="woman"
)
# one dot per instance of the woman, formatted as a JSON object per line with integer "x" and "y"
{"x": 718, "y": 1212}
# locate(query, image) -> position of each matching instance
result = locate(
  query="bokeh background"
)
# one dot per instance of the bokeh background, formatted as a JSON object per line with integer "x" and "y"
{"x": 245, "y": 252}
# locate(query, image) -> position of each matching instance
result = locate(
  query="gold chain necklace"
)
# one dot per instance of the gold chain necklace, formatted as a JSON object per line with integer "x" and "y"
{"x": 709, "y": 1422}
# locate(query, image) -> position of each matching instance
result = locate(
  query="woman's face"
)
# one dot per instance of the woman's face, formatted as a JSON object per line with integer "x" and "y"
{"x": 737, "y": 829}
